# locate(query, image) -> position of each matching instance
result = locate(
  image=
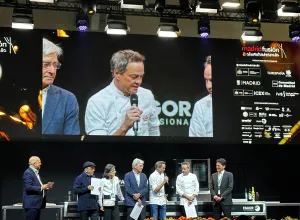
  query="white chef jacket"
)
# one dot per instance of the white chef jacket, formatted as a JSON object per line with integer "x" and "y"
{"x": 201, "y": 124}
{"x": 189, "y": 185}
{"x": 106, "y": 111}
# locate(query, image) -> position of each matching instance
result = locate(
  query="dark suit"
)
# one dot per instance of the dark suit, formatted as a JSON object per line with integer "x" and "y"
{"x": 225, "y": 192}
{"x": 87, "y": 203}
{"x": 33, "y": 200}
{"x": 61, "y": 113}
{"x": 131, "y": 188}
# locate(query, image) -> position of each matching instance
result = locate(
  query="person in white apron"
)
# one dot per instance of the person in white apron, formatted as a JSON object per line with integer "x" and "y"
{"x": 110, "y": 189}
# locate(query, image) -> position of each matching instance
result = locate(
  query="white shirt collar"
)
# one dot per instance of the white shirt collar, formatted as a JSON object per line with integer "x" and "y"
{"x": 157, "y": 173}
{"x": 135, "y": 173}
{"x": 116, "y": 90}
{"x": 34, "y": 169}
{"x": 222, "y": 172}
{"x": 46, "y": 89}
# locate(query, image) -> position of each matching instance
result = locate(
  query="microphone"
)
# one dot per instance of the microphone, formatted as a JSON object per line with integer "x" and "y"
{"x": 134, "y": 101}
{"x": 168, "y": 180}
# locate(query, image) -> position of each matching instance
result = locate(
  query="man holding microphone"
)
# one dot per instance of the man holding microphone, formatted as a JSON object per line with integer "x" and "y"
{"x": 111, "y": 110}
{"x": 158, "y": 198}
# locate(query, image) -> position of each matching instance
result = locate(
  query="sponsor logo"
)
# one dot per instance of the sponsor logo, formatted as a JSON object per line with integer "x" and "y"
{"x": 174, "y": 113}
{"x": 6, "y": 46}
{"x": 251, "y": 208}
{"x": 262, "y": 51}
{"x": 283, "y": 84}
{"x": 261, "y": 93}
{"x": 248, "y": 83}
{"x": 287, "y": 73}
{"x": 287, "y": 94}
{"x": 246, "y": 120}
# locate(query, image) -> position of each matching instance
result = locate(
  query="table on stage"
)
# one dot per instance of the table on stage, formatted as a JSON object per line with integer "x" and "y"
{"x": 19, "y": 207}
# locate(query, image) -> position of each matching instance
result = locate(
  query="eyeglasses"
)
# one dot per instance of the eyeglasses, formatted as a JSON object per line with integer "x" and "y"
{"x": 56, "y": 65}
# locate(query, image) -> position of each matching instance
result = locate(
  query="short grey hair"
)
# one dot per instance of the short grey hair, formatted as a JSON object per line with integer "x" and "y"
{"x": 207, "y": 61}
{"x": 49, "y": 47}
{"x": 186, "y": 163}
{"x": 136, "y": 162}
{"x": 122, "y": 58}
{"x": 159, "y": 164}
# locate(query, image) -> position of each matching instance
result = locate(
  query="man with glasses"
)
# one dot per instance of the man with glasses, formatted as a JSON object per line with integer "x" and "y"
{"x": 59, "y": 107}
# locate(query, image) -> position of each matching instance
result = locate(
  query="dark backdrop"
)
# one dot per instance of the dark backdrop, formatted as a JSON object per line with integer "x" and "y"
{"x": 269, "y": 169}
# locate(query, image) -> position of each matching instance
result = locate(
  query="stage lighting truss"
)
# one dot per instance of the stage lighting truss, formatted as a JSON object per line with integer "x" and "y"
{"x": 173, "y": 11}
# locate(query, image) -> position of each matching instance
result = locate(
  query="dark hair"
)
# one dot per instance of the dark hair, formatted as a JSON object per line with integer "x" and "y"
{"x": 222, "y": 161}
{"x": 107, "y": 170}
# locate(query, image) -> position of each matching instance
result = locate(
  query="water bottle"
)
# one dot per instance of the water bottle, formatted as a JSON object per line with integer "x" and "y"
{"x": 69, "y": 196}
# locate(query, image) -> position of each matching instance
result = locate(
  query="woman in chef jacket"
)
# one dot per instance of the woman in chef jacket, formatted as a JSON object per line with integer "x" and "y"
{"x": 110, "y": 189}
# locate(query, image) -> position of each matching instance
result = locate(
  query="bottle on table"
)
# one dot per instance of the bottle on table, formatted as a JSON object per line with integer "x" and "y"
{"x": 253, "y": 194}
{"x": 69, "y": 196}
{"x": 249, "y": 195}
{"x": 256, "y": 196}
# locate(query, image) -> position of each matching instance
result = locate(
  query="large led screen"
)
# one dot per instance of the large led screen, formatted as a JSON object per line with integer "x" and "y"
{"x": 96, "y": 86}
{"x": 133, "y": 85}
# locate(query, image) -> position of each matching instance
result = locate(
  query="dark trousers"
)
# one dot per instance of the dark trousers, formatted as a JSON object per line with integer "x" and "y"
{"x": 142, "y": 215}
{"x": 93, "y": 214}
{"x": 183, "y": 210}
{"x": 111, "y": 212}
{"x": 32, "y": 214}
{"x": 218, "y": 208}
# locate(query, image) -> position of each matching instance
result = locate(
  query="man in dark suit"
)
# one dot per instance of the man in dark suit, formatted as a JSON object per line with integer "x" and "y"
{"x": 34, "y": 198}
{"x": 87, "y": 203}
{"x": 59, "y": 107}
{"x": 221, "y": 186}
{"x": 136, "y": 187}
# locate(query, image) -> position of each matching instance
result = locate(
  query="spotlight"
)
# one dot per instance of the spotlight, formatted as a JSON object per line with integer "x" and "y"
{"x": 116, "y": 24}
{"x": 204, "y": 27}
{"x": 42, "y": 1}
{"x": 294, "y": 32}
{"x": 160, "y": 6}
{"x": 251, "y": 32}
{"x": 89, "y": 6}
{"x": 185, "y": 6}
{"x": 208, "y": 6}
{"x": 22, "y": 19}
{"x": 231, "y": 3}
{"x": 82, "y": 22}
{"x": 288, "y": 9}
{"x": 253, "y": 11}
{"x": 133, "y": 4}
{"x": 168, "y": 28}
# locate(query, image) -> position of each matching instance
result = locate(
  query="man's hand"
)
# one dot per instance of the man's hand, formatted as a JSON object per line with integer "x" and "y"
{"x": 132, "y": 115}
{"x": 166, "y": 179}
{"x": 217, "y": 198}
{"x": 90, "y": 187}
{"x": 102, "y": 209}
{"x": 45, "y": 186}
{"x": 140, "y": 202}
{"x": 50, "y": 185}
{"x": 136, "y": 196}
